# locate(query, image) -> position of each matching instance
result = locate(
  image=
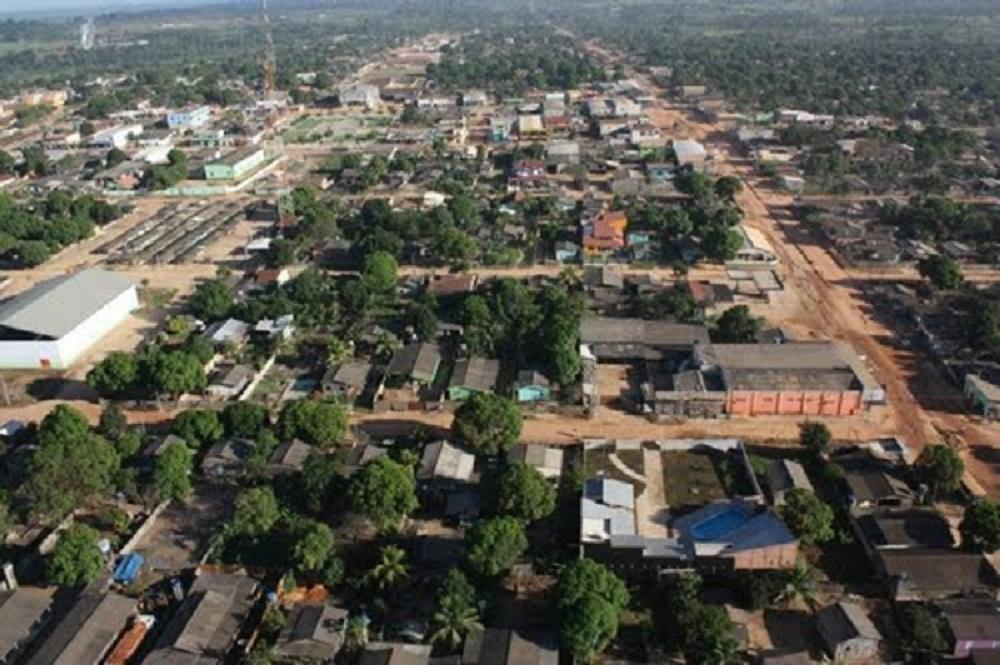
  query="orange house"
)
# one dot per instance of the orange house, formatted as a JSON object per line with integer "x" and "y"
{"x": 606, "y": 233}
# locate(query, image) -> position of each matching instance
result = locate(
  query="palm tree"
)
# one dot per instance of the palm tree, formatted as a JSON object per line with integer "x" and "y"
{"x": 356, "y": 632}
{"x": 454, "y": 620}
{"x": 391, "y": 570}
{"x": 800, "y": 583}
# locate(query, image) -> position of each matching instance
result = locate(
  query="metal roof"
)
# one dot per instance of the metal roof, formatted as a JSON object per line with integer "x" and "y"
{"x": 56, "y": 307}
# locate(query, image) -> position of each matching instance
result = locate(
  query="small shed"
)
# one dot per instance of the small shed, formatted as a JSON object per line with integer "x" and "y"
{"x": 847, "y": 632}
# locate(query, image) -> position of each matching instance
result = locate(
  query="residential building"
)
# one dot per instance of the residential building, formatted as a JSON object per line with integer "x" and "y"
{"x": 23, "y": 612}
{"x": 506, "y": 646}
{"x": 983, "y": 396}
{"x": 452, "y": 284}
{"x": 848, "y": 634}
{"x": 205, "y": 627}
{"x": 873, "y": 483}
{"x": 229, "y": 381}
{"x": 527, "y": 174}
{"x": 530, "y": 126}
{"x": 973, "y": 626}
{"x": 783, "y": 476}
{"x": 289, "y": 457}
{"x": 563, "y": 153}
{"x": 532, "y": 387}
{"x": 695, "y": 524}
{"x": 346, "y": 380}
{"x": 471, "y": 376}
{"x": 755, "y": 251}
{"x": 547, "y": 460}
{"x": 395, "y": 653}
{"x": 444, "y": 462}
{"x": 313, "y": 633}
{"x": 114, "y": 137}
{"x": 925, "y": 574}
{"x": 915, "y": 528}
{"x": 415, "y": 363}
{"x": 689, "y": 153}
{"x": 622, "y": 340}
{"x": 237, "y": 165}
{"x": 228, "y": 457}
{"x": 191, "y": 117}
{"x": 231, "y": 332}
{"x": 52, "y": 324}
{"x": 86, "y": 634}
{"x": 360, "y": 95}
{"x": 604, "y": 234}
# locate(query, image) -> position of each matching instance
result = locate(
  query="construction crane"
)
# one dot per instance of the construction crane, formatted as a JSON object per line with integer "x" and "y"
{"x": 269, "y": 66}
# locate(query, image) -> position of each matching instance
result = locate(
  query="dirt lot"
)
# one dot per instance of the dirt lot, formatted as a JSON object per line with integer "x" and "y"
{"x": 179, "y": 537}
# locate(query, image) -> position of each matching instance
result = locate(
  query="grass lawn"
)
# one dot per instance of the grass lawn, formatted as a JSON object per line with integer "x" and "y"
{"x": 690, "y": 479}
{"x": 597, "y": 464}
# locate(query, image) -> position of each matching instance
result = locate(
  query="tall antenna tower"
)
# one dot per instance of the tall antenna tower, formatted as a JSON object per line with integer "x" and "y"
{"x": 269, "y": 66}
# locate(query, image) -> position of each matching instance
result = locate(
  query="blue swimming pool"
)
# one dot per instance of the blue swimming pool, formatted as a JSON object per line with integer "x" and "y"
{"x": 720, "y": 524}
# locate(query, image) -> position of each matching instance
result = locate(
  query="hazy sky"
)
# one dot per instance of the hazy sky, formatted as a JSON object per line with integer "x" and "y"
{"x": 88, "y": 6}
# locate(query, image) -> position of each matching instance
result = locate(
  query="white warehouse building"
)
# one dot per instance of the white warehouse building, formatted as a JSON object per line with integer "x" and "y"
{"x": 53, "y": 323}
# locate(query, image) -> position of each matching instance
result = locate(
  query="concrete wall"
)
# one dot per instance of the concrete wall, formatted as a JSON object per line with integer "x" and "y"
{"x": 794, "y": 403}
{"x": 61, "y": 353}
{"x": 766, "y": 558}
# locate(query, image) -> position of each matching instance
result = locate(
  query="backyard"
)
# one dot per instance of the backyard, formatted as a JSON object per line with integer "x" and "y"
{"x": 690, "y": 479}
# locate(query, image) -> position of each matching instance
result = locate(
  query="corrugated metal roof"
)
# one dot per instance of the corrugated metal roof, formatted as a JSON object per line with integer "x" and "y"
{"x": 56, "y": 307}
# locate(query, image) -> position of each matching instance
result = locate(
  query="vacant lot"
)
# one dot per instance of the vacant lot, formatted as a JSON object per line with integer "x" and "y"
{"x": 690, "y": 479}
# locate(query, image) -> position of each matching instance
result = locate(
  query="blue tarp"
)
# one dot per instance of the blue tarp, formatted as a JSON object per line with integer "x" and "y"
{"x": 128, "y": 568}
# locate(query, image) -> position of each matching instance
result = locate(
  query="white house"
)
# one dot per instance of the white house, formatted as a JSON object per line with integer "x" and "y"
{"x": 52, "y": 324}
{"x": 114, "y": 137}
{"x": 360, "y": 95}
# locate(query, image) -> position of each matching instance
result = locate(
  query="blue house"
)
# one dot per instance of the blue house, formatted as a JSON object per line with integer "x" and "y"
{"x": 531, "y": 387}
{"x": 660, "y": 172}
{"x": 639, "y": 238}
{"x": 567, "y": 252}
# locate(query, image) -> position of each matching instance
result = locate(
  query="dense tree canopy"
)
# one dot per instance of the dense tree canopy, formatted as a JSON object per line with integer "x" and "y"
{"x": 384, "y": 491}
{"x": 487, "y": 423}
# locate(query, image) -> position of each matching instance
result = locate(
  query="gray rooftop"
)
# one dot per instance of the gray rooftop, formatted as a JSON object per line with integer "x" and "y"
{"x": 442, "y": 460}
{"x": 476, "y": 374}
{"x": 54, "y": 308}
{"x": 87, "y": 632}
{"x": 417, "y": 361}
{"x": 846, "y": 621}
{"x": 20, "y": 613}
{"x": 313, "y": 632}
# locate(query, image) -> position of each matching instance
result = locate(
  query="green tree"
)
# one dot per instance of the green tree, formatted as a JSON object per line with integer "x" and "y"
{"x": 942, "y": 469}
{"x": 244, "y": 419}
{"x": 720, "y": 243}
{"x": 76, "y": 560}
{"x": 809, "y": 517}
{"x": 477, "y": 323}
{"x": 322, "y": 424}
{"x": 941, "y": 271}
{"x": 379, "y": 272}
{"x": 815, "y": 436}
{"x": 112, "y": 424}
{"x": 452, "y": 621}
{"x": 521, "y": 491}
{"x": 313, "y": 549}
{"x": 212, "y": 300}
{"x": 736, "y": 326}
{"x": 115, "y": 374}
{"x": 70, "y": 465}
{"x": 391, "y": 569}
{"x": 199, "y": 427}
{"x": 172, "y": 472}
{"x": 921, "y": 631}
{"x": 980, "y": 526}
{"x": 495, "y": 545}
{"x": 32, "y": 253}
{"x": 385, "y": 492}
{"x": 257, "y": 512}
{"x": 591, "y": 599}
{"x": 115, "y": 157}
{"x": 711, "y": 637}
{"x": 175, "y": 373}
{"x": 800, "y": 582}
{"x": 488, "y": 423}
{"x": 727, "y": 187}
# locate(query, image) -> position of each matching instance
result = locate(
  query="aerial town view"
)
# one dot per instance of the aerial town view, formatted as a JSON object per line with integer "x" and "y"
{"x": 524, "y": 332}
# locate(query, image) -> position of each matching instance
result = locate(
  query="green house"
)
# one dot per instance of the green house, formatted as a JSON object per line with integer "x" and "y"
{"x": 236, "y": 165}
{"x": 473, "y": 375}
{"x": 532, "y": 387}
